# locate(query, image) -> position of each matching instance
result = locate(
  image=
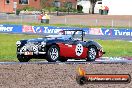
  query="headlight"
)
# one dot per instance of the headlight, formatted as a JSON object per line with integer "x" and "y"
{"x": 43, "y": 44}
{"x": 18, "y": 43}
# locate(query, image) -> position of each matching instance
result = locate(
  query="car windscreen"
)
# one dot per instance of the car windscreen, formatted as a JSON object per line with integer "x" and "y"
{"x": 37, "y": 40}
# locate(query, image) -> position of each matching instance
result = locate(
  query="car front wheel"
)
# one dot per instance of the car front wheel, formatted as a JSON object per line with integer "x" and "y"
{"x": 53, "y": 54}
{"x": 23, "y": 58}
{"x": 92, "y": 53}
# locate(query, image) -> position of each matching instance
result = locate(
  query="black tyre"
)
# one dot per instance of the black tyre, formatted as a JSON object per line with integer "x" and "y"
{"x": 23, "y": 58}
{"x": 63, "y": 59}
{"x": 92, "y": 53}
{"x": 53, "y": 54}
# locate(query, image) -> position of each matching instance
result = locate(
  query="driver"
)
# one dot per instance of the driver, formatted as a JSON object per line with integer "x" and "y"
{"x": 61, "y": 32}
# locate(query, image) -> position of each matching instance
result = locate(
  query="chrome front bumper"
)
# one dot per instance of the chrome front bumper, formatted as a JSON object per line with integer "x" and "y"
{"x": 31, "y": 53}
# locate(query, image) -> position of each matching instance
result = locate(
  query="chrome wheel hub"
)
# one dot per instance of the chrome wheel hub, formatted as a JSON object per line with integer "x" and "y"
{"x": 54, "y": 53}
{"x": 92, "y": 53}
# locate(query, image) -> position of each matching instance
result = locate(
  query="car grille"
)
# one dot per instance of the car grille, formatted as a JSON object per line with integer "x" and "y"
{"x": 29, "y": 47}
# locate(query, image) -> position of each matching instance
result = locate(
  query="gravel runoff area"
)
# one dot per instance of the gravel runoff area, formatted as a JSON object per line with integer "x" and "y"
{"x": 57, "y": 75}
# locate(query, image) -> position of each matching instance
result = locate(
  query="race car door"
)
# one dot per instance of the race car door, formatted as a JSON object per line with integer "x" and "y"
{"x": 73, "y": 49}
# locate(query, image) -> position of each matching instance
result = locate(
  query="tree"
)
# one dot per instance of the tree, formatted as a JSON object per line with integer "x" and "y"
{"x": 45, "y": 5}
{"x": 92, "y": 5}
{"x": 68, "y": 5}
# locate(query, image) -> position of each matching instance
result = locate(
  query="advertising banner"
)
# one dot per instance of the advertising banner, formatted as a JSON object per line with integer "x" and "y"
{"x": 48, "y": 29}
{"x": 95, "y": 31}
{"x": 117, "y": 31}
{"x": 52, "y": 29}
{"x": 11, "y": 28}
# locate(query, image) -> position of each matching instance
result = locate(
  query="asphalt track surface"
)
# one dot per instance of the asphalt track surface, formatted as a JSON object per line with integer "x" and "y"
{"x": 106, "y": 37}
{"x": 98, "y": 61}
{"x": 91, "y": 37}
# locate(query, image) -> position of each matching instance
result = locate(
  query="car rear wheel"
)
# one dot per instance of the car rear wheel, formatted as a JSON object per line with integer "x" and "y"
{"x": 53, "y": 54}
{"x": 23, "y": 58}
{"x": 92, "y": 53}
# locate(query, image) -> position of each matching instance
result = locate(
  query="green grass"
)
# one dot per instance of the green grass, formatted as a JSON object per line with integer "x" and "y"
{"x": 116, "y": 48}
{"x": 8, "y": 46}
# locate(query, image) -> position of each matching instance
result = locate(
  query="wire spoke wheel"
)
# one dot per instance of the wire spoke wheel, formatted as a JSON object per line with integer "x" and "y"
{"x": 53, "y": 54}
{"x": 92, "y": 53}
